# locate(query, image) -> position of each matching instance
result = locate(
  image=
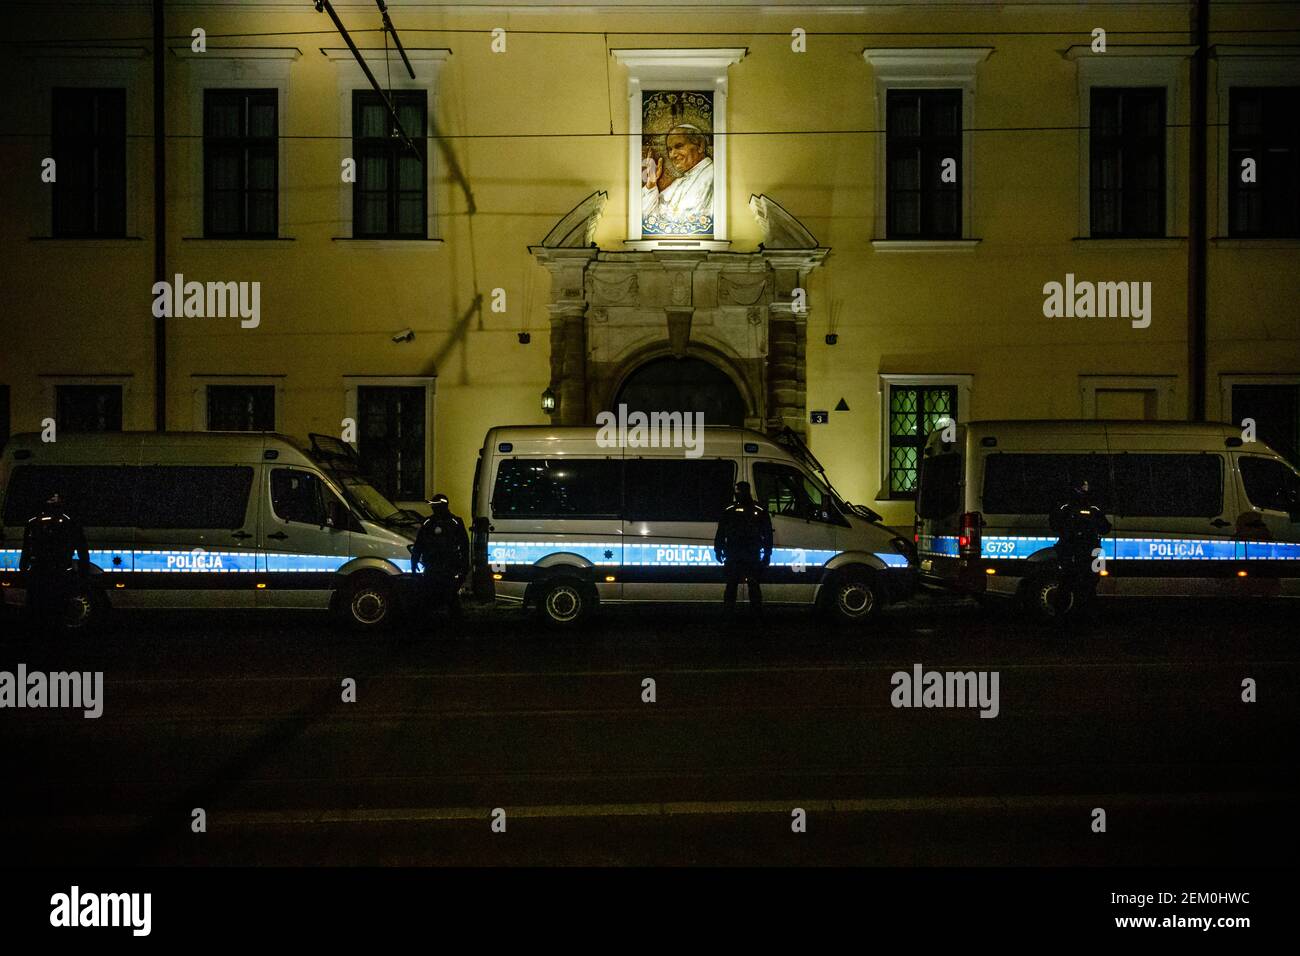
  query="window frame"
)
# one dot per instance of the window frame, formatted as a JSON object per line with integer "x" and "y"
{"x": 351, "y": 384}
{"x": 243, "y": 143}
{"x": 199, "y": 393}
{"x": 96, "y": 142}
{"x": 932, "y": 150}
{"x": 1258, "y": 148}
{"x": 50, "y": 385}
{"x": 393, "y": 151}
{"x": 920, "y": 69}
{"x": 1127, "y": 142}
{"x": 887, "y": 381}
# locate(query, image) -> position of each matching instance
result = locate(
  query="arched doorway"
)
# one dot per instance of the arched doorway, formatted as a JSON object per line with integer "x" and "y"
{"x": 683, "y": 385}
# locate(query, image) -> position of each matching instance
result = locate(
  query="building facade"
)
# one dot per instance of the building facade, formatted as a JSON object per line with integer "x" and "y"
{"x": 848, "y": 221}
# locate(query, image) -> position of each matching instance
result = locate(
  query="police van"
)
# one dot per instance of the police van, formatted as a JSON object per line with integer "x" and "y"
{"x": 1194, "y": 510}
{"x": 203, "y": 520}
{"x": 562, "y": 523}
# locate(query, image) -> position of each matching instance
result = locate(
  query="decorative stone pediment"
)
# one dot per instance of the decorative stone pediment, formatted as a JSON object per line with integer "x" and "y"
{"x": 613, "y": 310}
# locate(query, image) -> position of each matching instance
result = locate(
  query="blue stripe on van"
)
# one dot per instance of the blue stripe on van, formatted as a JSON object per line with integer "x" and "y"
{"x": 638, "y": 554}
{"x": 1012, "y": 547}
{"x": 198, "y": 561}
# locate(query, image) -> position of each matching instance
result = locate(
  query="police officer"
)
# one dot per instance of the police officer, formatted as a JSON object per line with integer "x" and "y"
{"x": 441, "y": 551}
{"x": 744, "y": 546}
{"x": 51, "y": 540}
{"x": 1079, "y": 525}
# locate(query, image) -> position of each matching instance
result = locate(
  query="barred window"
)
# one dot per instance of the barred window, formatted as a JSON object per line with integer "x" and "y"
{"x": 914, "y": 412}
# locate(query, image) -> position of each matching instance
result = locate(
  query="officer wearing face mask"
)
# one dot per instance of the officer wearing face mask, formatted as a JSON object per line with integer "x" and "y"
{"x": 441, "y": 556}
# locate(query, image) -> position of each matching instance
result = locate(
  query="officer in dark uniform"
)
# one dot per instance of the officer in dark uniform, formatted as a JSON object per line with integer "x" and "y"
{"x": 744, "y": 546}
{"x": 441, "y": 553}
{"x": 1079, "y": 525}
{"x": 51, "y": 540}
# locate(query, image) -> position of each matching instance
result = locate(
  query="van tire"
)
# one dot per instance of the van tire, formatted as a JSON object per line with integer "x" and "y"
{"x": 85, "y": 612}
{"x": 367, "y": 604}
{"x": 564, "y": 602}
{"x": 1037, "y": 598}
{"x": 851, "y": 596}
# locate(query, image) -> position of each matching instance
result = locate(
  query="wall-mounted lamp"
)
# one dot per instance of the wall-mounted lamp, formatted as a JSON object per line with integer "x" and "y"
{"x": 525, "y": 338}
{"x": 548, "y": 401}
{"x": 831, "y": 338}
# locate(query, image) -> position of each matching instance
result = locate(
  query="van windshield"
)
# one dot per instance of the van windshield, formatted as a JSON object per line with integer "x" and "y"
{"x": 369, "y": 502}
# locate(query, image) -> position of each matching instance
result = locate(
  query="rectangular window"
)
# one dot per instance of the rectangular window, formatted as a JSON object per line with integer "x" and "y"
{"x": 1127, "y": 162}
{"x": 1017, "y": 484}
{"x": 390, "y": 440}
{"x": 240, "y": 164}
{"x": 558, "y": 488}
{"x": 88, "y": 408}
{"x": 669, "y": 489}
{"x": 1275, "y": 410}
{"x": 96, "y": 496}
{"x": 241, "y": 408}
{"x": 390, "y": 196}
{"x": 914, "y": 412}
{"x": 89, "y": 141}
{"x": 192, "y": 496}
{"x": 1168, "y": 486}
{"x": 1264, "y": 126}
{"x": 923, "y": 131}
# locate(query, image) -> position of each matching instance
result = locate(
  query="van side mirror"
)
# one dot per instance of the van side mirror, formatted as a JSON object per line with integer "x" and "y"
{"x": 337, "y": 518}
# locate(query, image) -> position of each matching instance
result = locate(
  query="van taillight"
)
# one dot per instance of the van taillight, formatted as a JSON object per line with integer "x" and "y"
{"x": 968, "y": 541}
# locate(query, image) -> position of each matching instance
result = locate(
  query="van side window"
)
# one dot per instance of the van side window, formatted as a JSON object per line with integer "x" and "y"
{"x": 98, "y": 496}
{"x": 297, "y": 496}
{"x": 788, "y": 492}
{"x": 557, "y": 488}
{"x": 678, "y": 489}
{"x": 192, "y": 496}
{"x": 1270, "y": 484}
{"x": 1168, "y": 486}
{"x": 1016, "y": 484}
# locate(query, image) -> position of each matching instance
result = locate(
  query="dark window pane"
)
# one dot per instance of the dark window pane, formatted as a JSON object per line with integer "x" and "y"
{"x": 1275, "y": 410}
{"x": 1264, "y": 127}
{"x": 923, "y": 130}
{"x": 391, "y": 439}
{"x": 241, "y": 408}
{"x": 88, "y": 408}
{"x": 1127, "y": 162}
{"x": 1168, "y": 485}
{"x": 666, "y": 489}
{"x": 241, "y": 163}
{"x": 297, "y": 496}
{"x": 192, "y": 496}
{"x": 1038, "y": 484}
{"x": 89, "y": 150}
{"x": 557, "y": 488}
{"x": 96, "y": 496}
{"x": 389, "y": 198}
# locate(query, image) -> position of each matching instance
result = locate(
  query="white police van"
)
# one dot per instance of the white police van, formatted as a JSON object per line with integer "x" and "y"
{"x": 1194, "y": 509}
{"x": 204, "y": 520}
{"x": 562, "y": 523}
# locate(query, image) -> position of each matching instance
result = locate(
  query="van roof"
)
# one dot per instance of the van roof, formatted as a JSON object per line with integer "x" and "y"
{"x": 1212, "y": 433}
{"x": 718, "y": 439}
{"x": 79, "y": 446}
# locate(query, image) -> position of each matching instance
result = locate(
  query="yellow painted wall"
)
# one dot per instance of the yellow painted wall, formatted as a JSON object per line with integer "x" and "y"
{"x": 329, "y": 308}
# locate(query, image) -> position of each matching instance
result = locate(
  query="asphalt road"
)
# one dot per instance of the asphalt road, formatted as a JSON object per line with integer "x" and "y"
{"x": 1139, "y": 714}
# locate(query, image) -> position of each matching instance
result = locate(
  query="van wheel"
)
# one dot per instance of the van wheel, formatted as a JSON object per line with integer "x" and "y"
{"x": 1046, "y": 598}
{"x": 85, "y": 611}
{"x": 367, "y": 604}
{"x": 564, "y": 602}
{"x": 852, "y": 597}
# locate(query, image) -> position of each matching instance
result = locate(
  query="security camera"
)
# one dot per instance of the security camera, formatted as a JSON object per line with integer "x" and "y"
{"x": 405, "y": 335}
{"x": 525, "y": 338}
